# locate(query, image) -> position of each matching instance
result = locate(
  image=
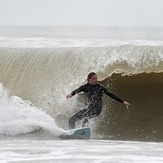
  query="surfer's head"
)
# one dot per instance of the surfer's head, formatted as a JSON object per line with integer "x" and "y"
{"x": 92, "y": 78}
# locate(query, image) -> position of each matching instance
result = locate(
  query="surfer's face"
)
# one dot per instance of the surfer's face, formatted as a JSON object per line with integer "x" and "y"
{"x": 93, "y": 79}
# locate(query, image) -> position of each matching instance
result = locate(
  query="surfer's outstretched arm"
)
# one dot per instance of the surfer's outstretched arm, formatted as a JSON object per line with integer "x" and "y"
{"x": 78, "y": 90}
{"x": 68, "y": 96}
{"x": 126, "y": 104}
{"x": 115, "y": 97}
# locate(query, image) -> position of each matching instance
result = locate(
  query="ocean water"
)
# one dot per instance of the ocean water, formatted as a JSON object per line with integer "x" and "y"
{"x": 40, "y": 65}
{"x": 80, "y": 151}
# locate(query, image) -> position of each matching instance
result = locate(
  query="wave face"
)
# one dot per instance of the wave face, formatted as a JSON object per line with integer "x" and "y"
{"x": 144, "y": 119}
{"x": 44, "y": 76}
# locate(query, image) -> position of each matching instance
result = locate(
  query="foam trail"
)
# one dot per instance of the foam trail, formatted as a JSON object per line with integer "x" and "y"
{"x": 21, "y": 117}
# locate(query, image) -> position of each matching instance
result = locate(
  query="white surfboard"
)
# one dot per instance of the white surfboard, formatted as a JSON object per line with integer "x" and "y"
{"x": 78, "y": 133}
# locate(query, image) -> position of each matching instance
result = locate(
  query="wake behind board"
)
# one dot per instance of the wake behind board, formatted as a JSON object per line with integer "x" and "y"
{"x": 78, "y": 133}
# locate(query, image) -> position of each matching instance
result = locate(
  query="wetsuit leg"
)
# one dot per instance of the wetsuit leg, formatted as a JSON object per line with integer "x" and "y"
{"x": 77, "y": 116}
{"x": 88, "y": 113}
{"x": 91, "y": 113}
{"x": 85, "y": 122}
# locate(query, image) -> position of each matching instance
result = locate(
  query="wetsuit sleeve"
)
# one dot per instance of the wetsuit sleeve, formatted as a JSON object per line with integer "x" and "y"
{"x": 78, "y": 90}
{"x": 115, "y": 97}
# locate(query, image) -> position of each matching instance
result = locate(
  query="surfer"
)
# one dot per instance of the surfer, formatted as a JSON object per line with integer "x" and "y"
{"x": 94, "y": 92}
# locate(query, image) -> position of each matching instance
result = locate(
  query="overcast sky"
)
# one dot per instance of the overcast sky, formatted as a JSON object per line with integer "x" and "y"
{"x": 82, "y": 12}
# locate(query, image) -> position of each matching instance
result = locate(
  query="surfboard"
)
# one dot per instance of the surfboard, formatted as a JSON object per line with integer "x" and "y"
{"x": 78, "y": 133}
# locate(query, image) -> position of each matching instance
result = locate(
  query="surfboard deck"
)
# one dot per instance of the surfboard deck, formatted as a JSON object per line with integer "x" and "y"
{"x": 78, "y": 133}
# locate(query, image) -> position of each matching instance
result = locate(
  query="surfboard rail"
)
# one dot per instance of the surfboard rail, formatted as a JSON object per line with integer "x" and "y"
{"x": 78, "y": 133}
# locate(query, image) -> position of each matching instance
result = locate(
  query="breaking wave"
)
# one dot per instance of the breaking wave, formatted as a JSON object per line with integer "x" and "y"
{"x": 44, "y": 76}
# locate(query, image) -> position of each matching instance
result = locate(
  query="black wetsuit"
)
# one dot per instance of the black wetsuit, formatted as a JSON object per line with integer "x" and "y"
{"x": 94, "y": 107}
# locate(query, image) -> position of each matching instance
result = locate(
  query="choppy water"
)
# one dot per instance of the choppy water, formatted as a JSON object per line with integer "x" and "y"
{"x": 91, "y": 151}
{"x": 40, "y": 65}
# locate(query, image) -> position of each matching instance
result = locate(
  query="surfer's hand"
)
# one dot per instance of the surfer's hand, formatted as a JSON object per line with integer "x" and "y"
{"x": 126, "y": 104}
{"x": 68, "y": 96}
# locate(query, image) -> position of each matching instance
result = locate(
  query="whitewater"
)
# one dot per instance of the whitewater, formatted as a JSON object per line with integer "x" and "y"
{"x": 40, "y": 65}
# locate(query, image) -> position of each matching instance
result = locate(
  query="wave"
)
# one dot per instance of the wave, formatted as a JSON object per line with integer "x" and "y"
{"x": 44, "y": 76}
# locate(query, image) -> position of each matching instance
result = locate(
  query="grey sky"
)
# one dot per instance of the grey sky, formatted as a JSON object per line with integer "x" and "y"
{"x": 82, "y": 12}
